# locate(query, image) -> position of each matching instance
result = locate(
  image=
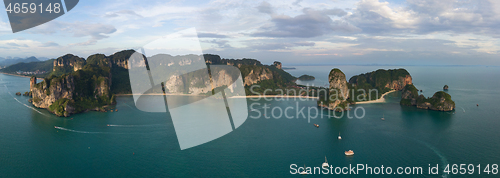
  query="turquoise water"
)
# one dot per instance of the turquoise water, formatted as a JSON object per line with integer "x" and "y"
{"x": 139, "y": 144}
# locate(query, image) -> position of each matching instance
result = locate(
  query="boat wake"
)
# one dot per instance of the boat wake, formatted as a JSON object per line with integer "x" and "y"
{"x": 76, "y": 131}
{"x": 31, "y": 107}
{"x": 435, "y": 150}
{"x": 462, "y": 108}
{"x": 112, "y": 125}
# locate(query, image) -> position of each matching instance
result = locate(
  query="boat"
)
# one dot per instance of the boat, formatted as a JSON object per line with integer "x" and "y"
{"x": 340, "y": 138}
{"x": 316, "y": 125}
{"x": 349, "y": 153}
{"x": 383, "y": 118}
{"x": 325, "y": 164}
{"x": 304, "y": 171}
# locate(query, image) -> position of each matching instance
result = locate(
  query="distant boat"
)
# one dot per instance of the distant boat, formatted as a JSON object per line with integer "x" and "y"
{"x": 383, "y": 118}
{"x": 340, "y": 138}
{"x": 325, "y": 164}
{"x": 304, "y": 171}
{"x": 316, "y": 125}
{"x": 349, "y": 153}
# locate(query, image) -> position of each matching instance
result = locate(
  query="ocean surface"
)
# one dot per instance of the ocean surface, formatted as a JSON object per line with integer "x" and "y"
{"x": 131, "y": 143}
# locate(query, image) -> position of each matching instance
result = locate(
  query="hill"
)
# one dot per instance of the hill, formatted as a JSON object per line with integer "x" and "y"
{"x": 8, "y": 62}
{"x": 41, "y": 66}
{"x": 381, "y": 80}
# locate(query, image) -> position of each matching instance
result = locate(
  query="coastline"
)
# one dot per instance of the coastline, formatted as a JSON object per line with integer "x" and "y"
{"x": 19, "y": 75}
{"x": 380, "y": 100}
{"x": 250, "y": 96}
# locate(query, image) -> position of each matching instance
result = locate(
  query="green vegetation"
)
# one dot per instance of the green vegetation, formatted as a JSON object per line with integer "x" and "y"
{"x": 32, "y": 66}
{"x": 413, "y": 94}
{"x": 306, "y": 77}
{"x": 435, "y": 100}
{"x": 58, "y": 107}
{"x": 439, "y": 101}
{"x": 365, "y": 85}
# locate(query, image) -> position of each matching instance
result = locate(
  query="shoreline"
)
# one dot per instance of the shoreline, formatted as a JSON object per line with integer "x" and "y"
{"x": 249, "y": 96}
{"x": 380, "y": 100}
{"x": 17, "y": 75}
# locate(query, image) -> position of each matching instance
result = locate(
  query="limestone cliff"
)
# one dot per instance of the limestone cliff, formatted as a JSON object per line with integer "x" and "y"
{"x": 83, "y": 90}
{"x": 50, "y": 90}
{"x": 200, "y": 84}
{"x": 277, "y": 64}
{"x": 68, "y": 63}
{"x": 440, "y": 101}
{"x": 338, "y": 92}
{"x": 254, "y": 72}
{"x": 120, "y": 59}
{"x": 256, "y": 75}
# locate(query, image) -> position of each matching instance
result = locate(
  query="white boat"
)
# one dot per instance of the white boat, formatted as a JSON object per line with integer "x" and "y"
{"x": 383, "y": 118}
{"x": 304, "y": 171}
{"x": 325, "y": 164}
{"x": 349, "y": 153}
{"x": 340, "y": 138}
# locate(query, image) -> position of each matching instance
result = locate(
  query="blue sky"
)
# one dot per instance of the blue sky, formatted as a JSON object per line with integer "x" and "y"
{"x": 426, "y": 32}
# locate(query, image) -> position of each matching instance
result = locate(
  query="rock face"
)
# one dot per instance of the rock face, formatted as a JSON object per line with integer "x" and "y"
{"x": 440, "y": 101}
{"x": 68, "y": 62}
{"x": 120, "y": 59}
{"x": 277, "y": 64}
{"x": 85, "y": 89}
{"x": 253, "y": 71}
{"x": 338, "y": 90}
{"x": 51, "y": 90}
{"x": 199, "y": 85}
{"x": 445, "y": 88}
{"x": 256, "y": 75}
{"x": 400, "y": 83}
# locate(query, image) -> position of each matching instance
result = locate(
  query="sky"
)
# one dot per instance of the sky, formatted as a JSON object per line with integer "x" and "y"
{"x": 397, "y": 32}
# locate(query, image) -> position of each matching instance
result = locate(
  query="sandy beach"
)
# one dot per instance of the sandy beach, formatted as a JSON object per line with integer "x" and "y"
{"x": 274, "y": 96}
{"x": 380, "y": 100}
{"x": 251, "y": 96}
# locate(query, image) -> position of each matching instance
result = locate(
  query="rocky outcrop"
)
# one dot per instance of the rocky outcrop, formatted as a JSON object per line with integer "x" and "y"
{"x": 440, "y": 101}
{"x": 338, "y": 91}
{"x": 120, "y": 59}
{"x": 445, "y": 88}
{"x": 277, "y": 65}
{"x": 49, "y": 91}
{"x": 68, "y": 62}
{"x": 256, "y": 75}
{"x": 400, "y": 83}
{"x": 86, "y": 89}
{"x": 199, "y": 85}
{"x": 338, "y": 83}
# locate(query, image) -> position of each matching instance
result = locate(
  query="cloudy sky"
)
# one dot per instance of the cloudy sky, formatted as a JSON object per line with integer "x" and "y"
{"x": 414, "y": 32}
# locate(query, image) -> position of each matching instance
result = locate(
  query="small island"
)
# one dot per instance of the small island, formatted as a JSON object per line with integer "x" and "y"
{"x": 306, "y": 77}
{"x": 440, "y": 101}
{"x": 445, "y": 88}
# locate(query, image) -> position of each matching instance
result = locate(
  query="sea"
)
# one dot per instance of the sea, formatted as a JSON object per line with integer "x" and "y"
{"x": 274, "y": 141}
